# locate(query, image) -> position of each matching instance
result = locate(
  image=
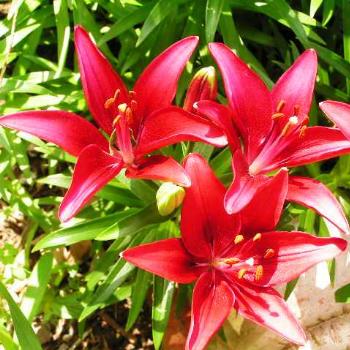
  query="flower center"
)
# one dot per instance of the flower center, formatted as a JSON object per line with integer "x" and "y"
{"x": 284, "y": 132}
{"x": 243, "y": 265}
{"x": 122, "y": 135}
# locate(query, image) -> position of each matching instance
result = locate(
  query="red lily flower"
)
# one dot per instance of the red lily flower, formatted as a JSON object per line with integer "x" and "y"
{"x": 273, "y": 128}
{"x": 231, "y": 268}
{"x": 339, "y": 114}
{"x": 138, "y": 122}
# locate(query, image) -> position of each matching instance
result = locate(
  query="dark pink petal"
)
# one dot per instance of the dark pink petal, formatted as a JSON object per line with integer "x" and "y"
{"x": 319, "y": 143}
{"x": 212, "y": 302}
{"x": 167, "y": 258}
{"x": 172, "y": 125}
{"x": 222, "y": 117}
{"x": 67, "y": 130}
{"x": 266, "y": 307}
{"x": 248, "y": 96}
{"x": 206, "y": 227}
{"x": 94, "y": 169}
{"x": 264, "y": 210}
{"x": 315, "y": 195}
{"x": 339, "y": 114}
{"x": 159, "y": 168}
{"x": 293, "y": 254}
{"x": 156, "y": 87}
{"x": 295, "y": 87}
{"x": 99, "y": 80}
{"x": 244, "y": 186}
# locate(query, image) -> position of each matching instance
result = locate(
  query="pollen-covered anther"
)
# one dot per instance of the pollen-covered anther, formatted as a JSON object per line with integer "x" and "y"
{"x": 109, "y": 102}
{"x": 259, "y": 272}
{"x": 269, "y": 253}
{"x": 232, "y": 261}
{"x": 280, "y": 106}
{"x": 122, "y": 108}
{"x": 302, "y": 131}
{"x": 239, "y": 239}
{"x": 241, "y": 273}
{"x": 292, "y": 121}
{"x": 278, "y": 115}
{"x": 257, "y": 237}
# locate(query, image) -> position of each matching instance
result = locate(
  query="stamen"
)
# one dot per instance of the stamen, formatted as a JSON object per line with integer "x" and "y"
{"x": 116, "y": 120}
{"x": 112, "y": 140}
{"x": 128, "y": 114}
{"x": 122, "y": 107}
{"x": 133, "y": 105}
{"x": 232, "y": 261}
{"x": 292, "y": 121}
{"x": 259, "y": 272}
{"x": 296, "y": 110}
{"x": 278, "y": 115}
{"x": 111, "y": 100}
{"x": 239, "y": 239}
{"x": 302, "y": 131}
{"x": 280, "y": 105}
{"x": 257, "y": 237}
{"x": 241, "y": 273}
{"x": 132, "y": 94}
{"x": 269, "y": 253}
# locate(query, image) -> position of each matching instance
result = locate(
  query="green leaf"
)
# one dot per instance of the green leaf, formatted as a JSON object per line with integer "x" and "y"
{"x": 26, "y": 336}
{"x": 138, "y": 296}
{"x": 6, "y": 339}
{"x": 163, "y": 291}
{"x": 86, "y": 230}
{"x": 342, "y": 295}
{"x": 158, "y": 13}
{"x": 328, "y": 10}
{"x": 37, "y": 285}
{"x": 212, "y": 17}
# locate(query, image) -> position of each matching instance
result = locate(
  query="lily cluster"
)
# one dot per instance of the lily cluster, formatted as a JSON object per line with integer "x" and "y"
{"x": 229, "y": 245}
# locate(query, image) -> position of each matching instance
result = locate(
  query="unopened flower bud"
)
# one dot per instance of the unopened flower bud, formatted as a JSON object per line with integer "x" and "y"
{"x": 203, "y": 86}
{"x": 169, "y": 197}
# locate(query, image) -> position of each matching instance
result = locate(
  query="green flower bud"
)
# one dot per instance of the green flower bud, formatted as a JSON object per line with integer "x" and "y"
{"x": 169, "y": 197}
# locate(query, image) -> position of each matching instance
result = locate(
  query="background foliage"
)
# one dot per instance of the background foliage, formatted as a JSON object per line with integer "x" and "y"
{"x": 39, "y": 71}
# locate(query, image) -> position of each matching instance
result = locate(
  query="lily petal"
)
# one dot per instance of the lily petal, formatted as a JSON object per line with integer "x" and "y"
{"x": 206, "y": 227}
{"x": 94, "y": 169}
{"x": 222, "y": 117}
{"x": 267, "y": 308}
{"x": 319, "y": 143}
{"x": 295, "y": 87}
{"x": 167, "y": 258}
{"x": 339, "y": 114}
{"x": 160, "y": 168}
{"x": 172, "y": 125}
{"x": 157, "y": 85}
{"x": 67, "y": 130}
{"x": 248, "y": 96}
{"x": 211, "y": 304}
{"x": 244, "y": 186}
{"x": 264, "y": 211}
{"x": 315, "y": 195}
{"x": 292, "y": 253}
{"x": 99, "y": 80}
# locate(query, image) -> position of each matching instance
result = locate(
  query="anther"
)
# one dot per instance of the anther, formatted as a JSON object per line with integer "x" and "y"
{"x": 122, "y": 107}
{"x": 296, "y": 110}
{"x": 232, "y": 261}
{"x": 241, "y": 273}
{"x": 132, "y": 94}
{"x": 269, "y": 253}
{"x": 292, "y": 121}
{"x": 111, "y": 100}
{"x": 278, "y": 115}
{"x": 259, "y": 272}
{"x": 257, "y": 237}
{"x": 280, "y": 105}
{"x": 302, "y": 131}
{"x": 239, "y": 239}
